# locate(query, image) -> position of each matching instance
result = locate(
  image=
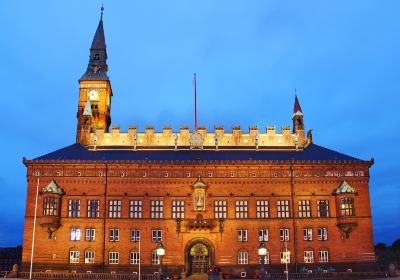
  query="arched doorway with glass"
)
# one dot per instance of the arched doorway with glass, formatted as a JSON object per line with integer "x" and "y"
{"x": 199, "y": 256}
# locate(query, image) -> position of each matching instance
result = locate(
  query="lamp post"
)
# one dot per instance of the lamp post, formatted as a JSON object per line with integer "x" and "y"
{"x": 262, "y": 252}
{"x": 160, "y": 253}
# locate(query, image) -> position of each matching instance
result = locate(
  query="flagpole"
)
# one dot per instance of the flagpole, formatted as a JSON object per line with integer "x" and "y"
{"x": 34, "y": 228}
{"x": 195, "y": 103}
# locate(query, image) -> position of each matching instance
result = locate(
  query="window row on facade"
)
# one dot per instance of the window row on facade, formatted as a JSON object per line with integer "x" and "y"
{"x": 242, "y": 257}
{"x": 209, "y": 174}
{"x": 156, "y": 234}
{"x": 50, "y": 208}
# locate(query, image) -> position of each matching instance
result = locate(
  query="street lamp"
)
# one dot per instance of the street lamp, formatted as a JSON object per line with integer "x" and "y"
{"x": 262, "y": 252}
{"x": 160, "y": 253}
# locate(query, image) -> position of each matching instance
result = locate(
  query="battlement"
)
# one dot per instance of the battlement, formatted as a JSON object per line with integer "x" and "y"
{"x": 218, "y": 138}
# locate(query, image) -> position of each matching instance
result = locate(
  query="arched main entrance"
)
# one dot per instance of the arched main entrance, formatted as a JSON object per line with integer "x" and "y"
{"x": 199, "y": 256}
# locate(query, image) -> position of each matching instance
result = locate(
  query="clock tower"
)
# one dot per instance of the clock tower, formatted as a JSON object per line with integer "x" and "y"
{"x": 95, "y": 91}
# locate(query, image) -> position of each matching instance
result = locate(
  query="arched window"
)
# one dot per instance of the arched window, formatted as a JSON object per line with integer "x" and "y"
{"x": 74, "y": 256}
{"x": 323, "y": 255}
{"x": 266, "y": 259}
{"x": 89, "y": 256}
{"x": 308, "y": 255}
{"x": 285, "y": 256}
{"x": 243, "y": 257}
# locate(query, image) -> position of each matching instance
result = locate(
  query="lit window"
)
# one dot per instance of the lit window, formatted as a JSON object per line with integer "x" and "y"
{"x": 74, "y": 256}
{"x": 93, "y": 208}
{"x": 135, "y": 209}
{"x": 243, "y": 257}
{"x": 307, "y": 234}
{"x": 178, "y": 209}
{"x": 210, "y": 174}
{"x": 323, "y": 256}
{"x": 50, "y": 205}
{"x": 90, "y": 234}
{"x": 304, "y": 209}
{"x": 74, "y": 208}
{"x": 242, "y": 235}
{"x": 241, "y": 209}
{"x": 285, "y": 256}
{"x": 156, "y": 235}
{"x": 262, "y": 209}
{"x": 89, "y": 257}
{"x": 114, "y": 234}
{"x": 156, "y": 209}
{"x": 232, "y": 174}
{"x": 113, "y": 257}
{"x": 188, "y": 174}
{"x": 220, "y": 209}
{"x": 308, "y": 256}
{"x": 263, "y": 234}
{"x": 284, "y": 234}
{"x": 322, "y": 233}
{"x": 347, "y": 206}
{"x": 283, "y": 208}
{"x": 323, "y": 208}
{"x": 75, "y": 234}
{"x": 154, "y": 258}
{"x": 135, "y": 235}
{"x": 134, "y": 257}
{"x": 114, "y": 209}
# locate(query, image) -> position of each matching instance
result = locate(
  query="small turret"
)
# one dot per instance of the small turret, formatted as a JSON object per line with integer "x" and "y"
{"x": 298, "y": 120}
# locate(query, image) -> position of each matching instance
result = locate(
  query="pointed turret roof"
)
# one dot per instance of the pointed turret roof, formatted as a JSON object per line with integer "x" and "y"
{"x": 99, "y": 40}
{"x": 97, "y": 67}
{"x": 297, "y": 107}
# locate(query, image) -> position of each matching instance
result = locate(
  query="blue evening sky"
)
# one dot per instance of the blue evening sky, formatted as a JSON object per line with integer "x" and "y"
{"x": 342, "y": 56}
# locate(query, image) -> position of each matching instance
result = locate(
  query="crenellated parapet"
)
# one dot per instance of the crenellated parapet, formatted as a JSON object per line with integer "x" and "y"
{"x": 184, "y": 138}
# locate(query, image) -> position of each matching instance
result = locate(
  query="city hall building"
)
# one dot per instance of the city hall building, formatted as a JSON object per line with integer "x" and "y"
{"x": 209, "y": 197}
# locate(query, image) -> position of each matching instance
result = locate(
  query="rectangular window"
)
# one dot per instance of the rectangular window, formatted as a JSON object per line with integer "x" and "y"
{"x": 89, "y": 257}
{"x": 265, "y": 260}
{"x": 114, "y": 234}
{"x": 156, "y": 235}
{"x": 307, "y": 234}
{"x": 323, "y": 208}
{"x": 135, "y": 235}
{"x": 154, "y": 258}
{"x": 114, "y": 208}
{"x": 242, "y": 235}
{"x": 241, "y": 209}
{"x": 263, "y": 234}
{"x": 304, "y": 209}
{"x": 284, "y": 234}
{"x": 93, "y": 208}
{"x": 285, "y": 257}
{"x": 322, "y": 234}
{"x": 178, "y": 209}
{"x": 262, "y": 209}
{"x": 74, "y": 208}
{"x": 75, "y": 234}
{"x": 50, "y": 205}
{"x": 90, "y": 234}
{"x": 323, "y": 256}
{"x": 347, "y": 206}
{"x": 220, "y": 209}
{"x": 74, "y": 256}
{"x": 113, "y": 257}
{"x": 134, "y": 258}
{"x": 308, "y": 256}
{"x": 243, "y": 257}
{"x": 135, "y": 209}
{"x": 283, "y": 208}
{"x": 156, "y": 209}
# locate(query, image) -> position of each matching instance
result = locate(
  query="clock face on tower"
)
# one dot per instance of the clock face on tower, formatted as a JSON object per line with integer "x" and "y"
{"x": 93, "y": 95}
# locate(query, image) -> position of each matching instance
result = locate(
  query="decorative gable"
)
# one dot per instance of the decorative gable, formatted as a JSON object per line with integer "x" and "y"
{"x": 344, "y": 188}
{"x": 53, "y": 188}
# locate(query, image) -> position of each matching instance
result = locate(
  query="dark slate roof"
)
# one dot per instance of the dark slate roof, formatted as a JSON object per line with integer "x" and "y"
{"x": 99, "y": 41}
{"x": 78, "y": 152}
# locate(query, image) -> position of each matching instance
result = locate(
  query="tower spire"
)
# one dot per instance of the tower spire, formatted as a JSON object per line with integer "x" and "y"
{"x": 297, "y": 117}
{"x": 97, "y": 67}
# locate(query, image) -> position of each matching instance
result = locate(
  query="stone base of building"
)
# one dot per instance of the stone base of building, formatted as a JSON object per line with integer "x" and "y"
{"x": 227, "y": 271}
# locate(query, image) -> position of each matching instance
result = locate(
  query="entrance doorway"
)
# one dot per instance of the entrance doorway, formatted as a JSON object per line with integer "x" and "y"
{"x": 199, "y": 258}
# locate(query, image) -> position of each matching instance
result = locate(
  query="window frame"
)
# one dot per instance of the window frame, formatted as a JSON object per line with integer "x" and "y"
{"x": 156, "y": 209}
{"x": 262, "y": 209}
{"x": 220, "y": 209}
{"x": 136, "y": 209}
{"x": 283, "y": 209}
